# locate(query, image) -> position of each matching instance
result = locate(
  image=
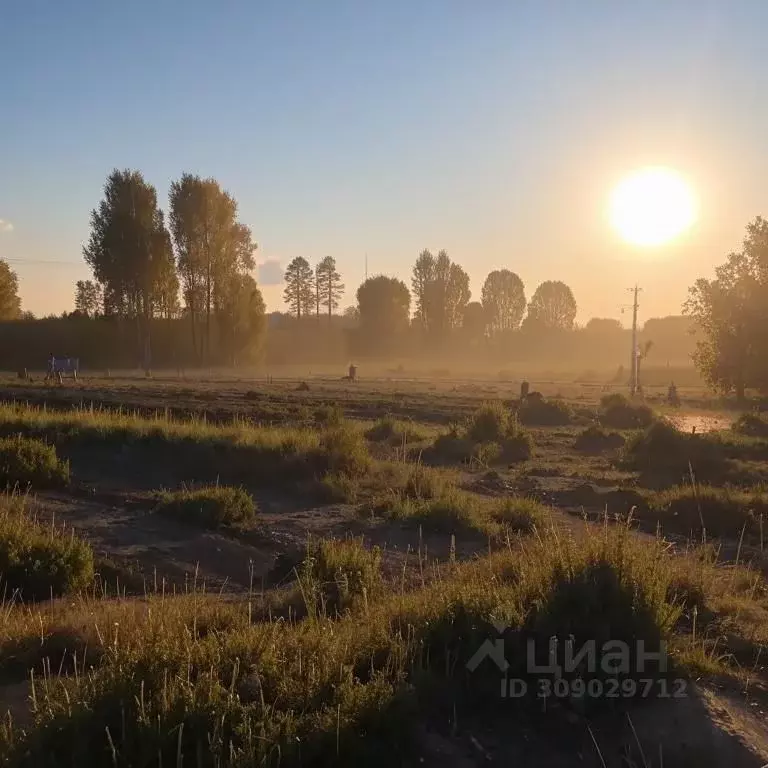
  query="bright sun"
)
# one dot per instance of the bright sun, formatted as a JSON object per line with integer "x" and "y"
{"x": 652, "y": 206}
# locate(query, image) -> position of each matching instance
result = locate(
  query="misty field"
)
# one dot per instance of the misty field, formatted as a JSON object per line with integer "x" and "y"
{"x": 213, "y": 571}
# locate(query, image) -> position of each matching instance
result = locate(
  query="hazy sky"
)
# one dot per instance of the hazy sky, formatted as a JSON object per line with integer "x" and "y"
{"x": 494, "y": 129}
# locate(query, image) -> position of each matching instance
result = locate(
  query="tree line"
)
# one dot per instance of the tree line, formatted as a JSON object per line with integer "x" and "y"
{"x": 143, "y": 262}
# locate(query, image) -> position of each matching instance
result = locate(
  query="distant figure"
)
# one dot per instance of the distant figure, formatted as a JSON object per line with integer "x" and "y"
{"x": 525, "y": 388}
{"x": 352, "y": 373}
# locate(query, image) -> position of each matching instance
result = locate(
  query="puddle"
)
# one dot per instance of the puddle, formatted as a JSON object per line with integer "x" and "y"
{"x": 702, "y": 423}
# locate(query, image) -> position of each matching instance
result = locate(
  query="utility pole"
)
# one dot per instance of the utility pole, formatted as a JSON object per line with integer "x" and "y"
{"x": 634, "y": 382}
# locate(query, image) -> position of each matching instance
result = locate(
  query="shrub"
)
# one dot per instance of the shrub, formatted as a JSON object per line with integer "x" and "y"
{"x": 489, "y": 423}
{"x": 517, "y": 514}
{"x": 336, "y": 573}
{"x": 752, "y": 425}
{"x": 618, "y": 412}
{"x": 25, "y": 461}
{"x": 40, "y": 560}
{"x": 595, "y": 439}
{"x": 724, "y": 511}
{"x": 536, "y": 411}
{"x": 390, "y": 430}
{"x": 343, "y": 450}
{"x": 329, "y": 415}
{"x": 492, "y": 434}
{"x": 213, "y": 506}
{"x": 662, "y": 447}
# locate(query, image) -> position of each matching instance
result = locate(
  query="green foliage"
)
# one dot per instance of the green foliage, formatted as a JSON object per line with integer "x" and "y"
{"x": 10, "y": 303}
{"x": 732, "y": 311}
{"x": 329, "y": 415}
{"x": 752, "y": 425}
{"x": 337, "y": 573}
{"x": 213, "y": 506}
{"x": 441, "y": 293}
{"x": 490, "y": 423}
{"x": 25, "y": 461}
{"x": 40, "y": 560}
{"x": 544, "y": 413}
{"x": 618, "y": 412}
{"x": 384, "y": 309}
{"x": 215, "y": 255}
{"x": 595, "y": 439}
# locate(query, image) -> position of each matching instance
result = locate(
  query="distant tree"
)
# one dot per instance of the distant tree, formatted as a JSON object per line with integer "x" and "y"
{"x": 503, "y": 298}
{"x": 299, "y": 293}
{"x": 212, "y": 248}
{"x": 241, "y": 317}
{"x": 127, "y": 250}
{"x": 422, "y": 283}
{"x": 384, "y": 306}
{"x": 88, "y": 298}
{"x": 10, "y": 303}
{"x": 330, "y": 287}
{"x": 442, "y": 291}
{"x": 732, "y": 312}
{"x": 352, "y": 314}
{"x": 603, "y": 326}
{"x": 552, "y": 307}
{"x": 475, "y": 321}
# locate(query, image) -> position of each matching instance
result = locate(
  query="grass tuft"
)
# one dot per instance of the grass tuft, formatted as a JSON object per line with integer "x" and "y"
{"x": 213, "y": 506}
{"x": 618, "y": 412}
{"x": 39, "y": 561}
{"x": 28, "y": 462}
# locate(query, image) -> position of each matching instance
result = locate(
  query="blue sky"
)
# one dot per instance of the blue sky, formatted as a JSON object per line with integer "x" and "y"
{"x": 492, "y": 129}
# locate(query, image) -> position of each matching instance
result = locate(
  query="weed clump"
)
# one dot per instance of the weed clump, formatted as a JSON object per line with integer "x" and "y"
{"x": 618, "y": 412}
{"x": 751, "y": 425}
{"x": 25, "y": 461}
{"x": 213, "y": 506}
{"x": 394, "y": 432}
{"x": 720, "y": 512}
{"x": 536, "y": 411}
{"x": 519, "y": 514}
{"x": 39, "y": 561}
{"x": 492, "y": 434}
{"x": 595, "y": 439}
{"x": 337, "y": 573}
{"x": 343, "y": 450}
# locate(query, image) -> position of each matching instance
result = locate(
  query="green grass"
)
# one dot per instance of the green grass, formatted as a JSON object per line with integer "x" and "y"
{"x": 214, "y": 506}
{"x": 236, "y": 453}
{"x": 28, "y": 462}
{"x": 349, "y": 690}
{"x": 38, "y": 561}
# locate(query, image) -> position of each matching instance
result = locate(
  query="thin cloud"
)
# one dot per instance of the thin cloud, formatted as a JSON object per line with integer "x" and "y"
{"x": 5, "y": 226}
{"x": 270, "y": 272}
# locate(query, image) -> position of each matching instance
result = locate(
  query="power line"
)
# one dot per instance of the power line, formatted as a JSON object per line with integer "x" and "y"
{"x": 45, "y": 261}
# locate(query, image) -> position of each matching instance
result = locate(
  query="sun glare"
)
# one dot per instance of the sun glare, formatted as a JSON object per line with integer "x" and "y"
{"x": 652, "y": 206}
